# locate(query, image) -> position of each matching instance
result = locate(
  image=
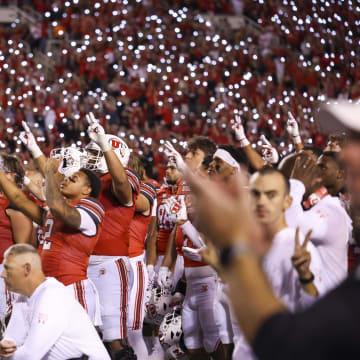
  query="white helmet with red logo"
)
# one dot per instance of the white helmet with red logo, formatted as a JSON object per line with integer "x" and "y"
{"x": 73, "y": 158}
{"x": 96, "y": 160}
{"x": 170, "y": 329}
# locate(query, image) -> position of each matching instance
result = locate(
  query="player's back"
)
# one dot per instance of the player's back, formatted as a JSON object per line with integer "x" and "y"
{"x": 114, "y": 239}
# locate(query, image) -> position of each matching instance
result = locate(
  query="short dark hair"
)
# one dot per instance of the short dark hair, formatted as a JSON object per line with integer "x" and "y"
{"x": 94, "y": 182}
{"x": 206, "y": 162}
{"x": 148, "y": 167}
{"x": 335, "y": 156}
{"x": 269, "y": 170}
{"x": 316, "y": 150}
{"x": 13, "y": 164}
{"x": 203, "y": 143}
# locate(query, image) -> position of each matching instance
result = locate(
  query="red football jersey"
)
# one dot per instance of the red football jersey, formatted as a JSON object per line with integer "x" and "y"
{"x": 164, "y": 222}
{"x": 140, "y": 223}
{"x": 5, "y": 227}
{"x": 66, "y": 251}
{"x": 114, "y": 239}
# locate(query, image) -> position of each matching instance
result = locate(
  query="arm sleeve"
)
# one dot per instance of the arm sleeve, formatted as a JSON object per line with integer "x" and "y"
{"x": 148, "y": 191}
{"x": 190, "y": 231}
{"x": 17, "y": 328}
{"x": 315, "y": 219}
{"x": 295, "y": 211}
{"x": 154, "y": 208}
{"x": 133, "y": 180}
{"x": 92, "y": 214}
{"x": 47, "y": 325}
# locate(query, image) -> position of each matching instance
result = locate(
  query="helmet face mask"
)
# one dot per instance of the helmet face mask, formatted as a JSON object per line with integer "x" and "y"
{"x": 73, "y": 159}
{"x": 95, "y": 157}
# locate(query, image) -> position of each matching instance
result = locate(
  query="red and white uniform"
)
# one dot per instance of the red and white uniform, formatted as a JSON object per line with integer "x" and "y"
{"x": 66, "y": 251}
{"x": 139, "y": 277}
{"x": 198, "y": 314}
{"x": 165, "y": 224}
{"x": 108, "y": 267}
{"x": 6, "y": 240}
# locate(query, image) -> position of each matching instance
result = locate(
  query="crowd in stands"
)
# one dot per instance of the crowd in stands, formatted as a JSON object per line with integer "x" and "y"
{"x": 153, "y": 70}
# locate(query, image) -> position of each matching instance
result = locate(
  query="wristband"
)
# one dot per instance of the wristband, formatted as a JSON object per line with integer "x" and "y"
{"x": 105, "y": 146}
{"x": 36, "y": 152}
{"x": 229, "y": 253}
{"x": 297, "y": 139}
{"x": 244, "y": 142}
{"x": 307, "y": 281}
{"x": 26, "y": 181}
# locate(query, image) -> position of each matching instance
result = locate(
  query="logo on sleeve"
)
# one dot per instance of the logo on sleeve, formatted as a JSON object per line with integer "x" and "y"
{"x": 42, "y": 318}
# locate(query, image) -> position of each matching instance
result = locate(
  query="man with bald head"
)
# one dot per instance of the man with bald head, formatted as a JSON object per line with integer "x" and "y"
{"x": 46, "y": 321}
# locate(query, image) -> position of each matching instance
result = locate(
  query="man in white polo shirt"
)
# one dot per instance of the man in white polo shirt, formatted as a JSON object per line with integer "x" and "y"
{"x": 49, "y": 322}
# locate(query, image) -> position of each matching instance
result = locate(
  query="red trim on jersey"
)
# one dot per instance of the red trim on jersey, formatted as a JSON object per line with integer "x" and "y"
{"x": 91, "y": 207}
{"x": 139, "y": 297}
{"x": 123, "y": 297}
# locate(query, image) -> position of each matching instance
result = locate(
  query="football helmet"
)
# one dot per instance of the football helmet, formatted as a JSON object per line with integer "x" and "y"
{"x": 170, "y": 329}
{"x": 175, "y": 352}
{"x": 157, "y": 304}
{"x": 96, "y": 160}
{"x": 73, "y": 159}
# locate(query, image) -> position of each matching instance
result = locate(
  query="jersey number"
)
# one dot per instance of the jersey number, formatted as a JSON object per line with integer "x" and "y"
{"x": 48, "y": 227}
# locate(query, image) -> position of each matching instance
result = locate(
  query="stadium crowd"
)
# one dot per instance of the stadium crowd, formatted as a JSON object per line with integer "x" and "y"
{"x": 153, "y": 70}
{"x": 128, "y": 155}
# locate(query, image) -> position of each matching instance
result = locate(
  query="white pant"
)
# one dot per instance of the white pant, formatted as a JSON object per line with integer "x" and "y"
{"x": 85, "y": 292}
{"x": 110, "y": 277}
{"x": 138, "y": 279}
{"x": 229, "y": 328}
{"x": 198, "y": 314}
{"x": 223, "y": 315}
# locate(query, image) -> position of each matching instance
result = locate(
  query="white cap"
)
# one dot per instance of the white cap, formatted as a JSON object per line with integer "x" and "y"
{"x": 341, "y": 116}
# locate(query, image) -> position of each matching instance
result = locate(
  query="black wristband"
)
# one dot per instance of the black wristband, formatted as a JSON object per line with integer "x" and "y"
{"x": 229, "y": 253}
{"x": 307, "y": 281}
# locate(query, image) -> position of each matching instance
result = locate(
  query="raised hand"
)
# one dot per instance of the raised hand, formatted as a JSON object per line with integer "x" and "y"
{"x": 97, "y": 133}
{"x": 28, "y": 139}
{"x": 240, "y": 132}
{"x": 52, "y": 165}
{"x": 292, "y": 128}
{"x": 171, "y": 152}
{"x": 268, "y": 151}
{"x": 306, "y": 171}
{"x": 301, "y": 258}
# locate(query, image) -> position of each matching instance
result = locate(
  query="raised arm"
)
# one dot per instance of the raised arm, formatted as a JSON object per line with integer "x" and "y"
{"x": 55, "y": 200}
{"x": 20, "y": 200}
{"x": 292, "y": 128}
{"x": 34, "y": 188}
{"x": 30, "y": 143}
{"x": 120, "y": 184}
{"x": 254, "y": 158}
